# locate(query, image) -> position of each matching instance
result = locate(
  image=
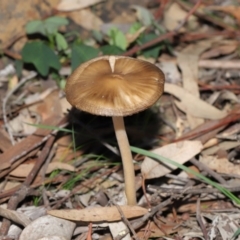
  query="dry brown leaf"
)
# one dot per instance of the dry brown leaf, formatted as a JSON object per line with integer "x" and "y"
{"x": 228, "y": 95}
{"x": 221, "y": 165}
{"x": 156, "y": 232}
{"x": 9, "y": 185}
{"x": 79, "y": 17}
{"x": 15, "y": 216}
{"x": 22, "y": 170}
{"x": 171, "y": 71}
{"x": 179, "y": 152}
{"x": 5, "y": 142}
{"x": 174, "y": 15}
{"x": 59, "y": 165}
{"x": 21, "y": 123}
{"x": 225, "y": 145}
{"x": 211, "y": 142}
{"x": 131, "y": 37}
{"x": 233, "y": 10}
{"x": 15, "y": 14}
{"x": 192, "y": 104}
{"x": 28, "y": 144}
{"x": 49, "y": 104}
{"x": 98, "y": 214}
{"x": 71, "y": 5}
{"x": 204, "y": 206}
{"x": 188, "y": 63}
{"x": 220, "y": 50}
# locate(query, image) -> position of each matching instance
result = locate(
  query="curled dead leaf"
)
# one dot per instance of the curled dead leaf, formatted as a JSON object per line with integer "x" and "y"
{"x": 179, "y": 152}
{"x": 192, "y": 104}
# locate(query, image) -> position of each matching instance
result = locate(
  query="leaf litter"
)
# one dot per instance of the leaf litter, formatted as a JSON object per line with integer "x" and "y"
{"x": 66, "y": 162}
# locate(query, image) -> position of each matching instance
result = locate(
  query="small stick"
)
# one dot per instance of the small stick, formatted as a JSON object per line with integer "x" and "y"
{"x": 203, "y": 167}
{"x": 190, "y": 190}
{"x": 139, "y": 222}
{"x": 200, "y": 221}
{"x": 89, "y": 235}
{"x": 219, "y": 64}
{"x": 125, "y": 220}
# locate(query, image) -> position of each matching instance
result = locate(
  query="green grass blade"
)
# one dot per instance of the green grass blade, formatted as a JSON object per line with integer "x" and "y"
{"x": 188, "y": 170}
{"x": 53, "y": 128}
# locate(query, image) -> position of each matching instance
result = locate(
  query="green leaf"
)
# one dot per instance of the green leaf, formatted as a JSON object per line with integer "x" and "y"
{"x": 135, "y": 27}
{"x": 49, "y": 127}
{"x": 153, "y": 51}
{"x": 117, "y": 38}
{"x": 19, "y": 67}
{"x": 97, "y": 35}
{"x": 82, "y": 53}
{"x": 35, "y": 26}
{"x": 143, "y": 15}
{"x": 46, "y": 27}
{"x": 41, "y": 56}
{"x": 53, "y": 23}
{"x": 61, "y": 42}
{"x": 236, "y": 234}
{"x": 111, "y": 50}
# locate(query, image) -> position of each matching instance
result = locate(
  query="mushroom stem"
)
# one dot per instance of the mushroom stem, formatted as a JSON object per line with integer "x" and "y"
{"x": 128, "y": 167}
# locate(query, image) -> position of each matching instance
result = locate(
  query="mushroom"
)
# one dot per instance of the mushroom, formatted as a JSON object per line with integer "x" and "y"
{"x": 116, "y": 86}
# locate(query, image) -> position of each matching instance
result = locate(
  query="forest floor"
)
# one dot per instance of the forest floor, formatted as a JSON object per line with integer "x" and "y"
{"x": 61, "y": 174}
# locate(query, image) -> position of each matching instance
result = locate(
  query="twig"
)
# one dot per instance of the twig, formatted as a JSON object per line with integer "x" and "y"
{"x": 192, "y": 190}
{"x": 211, "y": 125}
{"x": 40, "y": 161}
{"x": 200, "y": 222}
{"x": 125, "y": 220}
{"x": 220, "y": 64}
{"x": 203, "y": 167}
{"x": 178, "y": 178}
{"x": 6, "y": 98}
{"x": 139, "y": 222}
{"x": 43, "y": 173}
{"x": 89, "y": 235}
{"x": 160, "y": 11}
{"x": 190, "y": 37}
{"x": 12, "y": 54}
{"x": 191, "y": 12}
{"x": 145, "y": 192}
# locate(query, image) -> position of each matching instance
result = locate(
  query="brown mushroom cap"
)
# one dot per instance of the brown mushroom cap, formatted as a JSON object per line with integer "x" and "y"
{"x": 114, "y": 86}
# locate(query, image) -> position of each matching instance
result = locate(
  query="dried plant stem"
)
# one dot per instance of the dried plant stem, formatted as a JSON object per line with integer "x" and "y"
{"x": 128, "y": 167}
